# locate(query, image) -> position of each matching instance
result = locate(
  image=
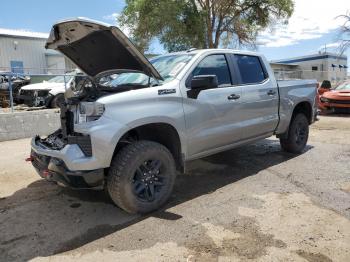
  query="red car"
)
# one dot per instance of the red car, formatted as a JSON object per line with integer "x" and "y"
{"x": 337, "y": 99}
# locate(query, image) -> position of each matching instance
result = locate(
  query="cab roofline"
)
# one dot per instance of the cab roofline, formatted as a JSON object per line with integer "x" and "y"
{"x": 216, "y": 50}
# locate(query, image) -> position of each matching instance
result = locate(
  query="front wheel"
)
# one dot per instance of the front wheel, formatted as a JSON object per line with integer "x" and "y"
{"x": 298, "y": 135}
{"x": 57, "y": 101}
{"x": 141, "y": 177}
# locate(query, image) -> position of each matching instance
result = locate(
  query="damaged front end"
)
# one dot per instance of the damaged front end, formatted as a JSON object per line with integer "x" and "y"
{"x": 46, "y": 157}
{"x": 54, "y": 170}
{"x": 35, "y": 98}
{"x": 66, "y": 135}
{"x": 48, "y": 153}
{"x": 78, "y": 153}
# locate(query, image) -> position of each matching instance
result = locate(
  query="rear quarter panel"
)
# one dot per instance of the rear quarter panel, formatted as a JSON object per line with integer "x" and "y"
{"x": 293, "y": 92}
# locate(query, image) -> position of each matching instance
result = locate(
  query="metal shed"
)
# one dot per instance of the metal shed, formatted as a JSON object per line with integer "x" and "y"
{"x": 24, "y": 52}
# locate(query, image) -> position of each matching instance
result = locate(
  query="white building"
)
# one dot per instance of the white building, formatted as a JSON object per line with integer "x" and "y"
{"x": 321, "y": 66}
{"x": 24, "y": 52}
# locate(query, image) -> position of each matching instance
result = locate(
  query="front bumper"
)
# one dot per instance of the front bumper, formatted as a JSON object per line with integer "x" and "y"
{"x": 85, "y": 156}
{"x": 54, "y": 169}
{"x": 71, "y": 154}
{"x": 35, "y": 97}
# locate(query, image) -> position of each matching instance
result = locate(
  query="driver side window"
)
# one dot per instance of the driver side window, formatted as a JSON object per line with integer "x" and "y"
{"x": 214, "y": 65}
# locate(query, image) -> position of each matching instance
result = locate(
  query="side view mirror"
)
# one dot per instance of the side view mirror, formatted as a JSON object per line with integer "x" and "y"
{"x": 201, "y": 82}
{"x": 204, "y": 82}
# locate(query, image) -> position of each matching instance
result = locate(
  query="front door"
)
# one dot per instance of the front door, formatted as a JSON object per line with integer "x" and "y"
{"x": 212, "y": 119}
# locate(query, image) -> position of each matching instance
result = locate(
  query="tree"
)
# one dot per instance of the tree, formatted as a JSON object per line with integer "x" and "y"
{"x": 181, "y": 24}
{"x": 345, "y": 33}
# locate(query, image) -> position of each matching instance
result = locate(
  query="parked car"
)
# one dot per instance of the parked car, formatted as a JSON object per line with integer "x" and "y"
{"x": 17, "y": 81}
{"x": 49, "y": 93}
{"x": 337, "y": 99}
{"x": 132, "y": 137}
{"x": 321, "y": 88}
{"x": 324, "y": 87}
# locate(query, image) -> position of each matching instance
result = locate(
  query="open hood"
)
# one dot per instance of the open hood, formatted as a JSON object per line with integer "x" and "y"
{"x": 96, "y": 47}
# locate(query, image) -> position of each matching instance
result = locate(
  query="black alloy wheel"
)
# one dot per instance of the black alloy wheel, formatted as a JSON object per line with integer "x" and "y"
{"x": 141, "y": 176}
{"x": 148, "y": 180}
{"x": 298, "y": 135}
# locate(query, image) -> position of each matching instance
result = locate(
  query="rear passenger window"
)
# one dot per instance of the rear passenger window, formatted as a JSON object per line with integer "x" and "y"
{"x": 250, "y": 69}
{"x": 214, "y": 65}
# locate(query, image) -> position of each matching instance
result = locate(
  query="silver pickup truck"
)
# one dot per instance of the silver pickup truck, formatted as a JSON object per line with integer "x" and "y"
{"x": 132, "y": 135}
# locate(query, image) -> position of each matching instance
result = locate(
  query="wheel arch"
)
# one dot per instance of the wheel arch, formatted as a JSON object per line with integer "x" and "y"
{"x": 160, "y": 132}
{"x": 52, "y": 98}
{"x": 305, "y": 108}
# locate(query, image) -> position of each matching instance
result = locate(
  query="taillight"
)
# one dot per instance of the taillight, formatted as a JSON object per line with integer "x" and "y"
{"x": 30, "y": 159}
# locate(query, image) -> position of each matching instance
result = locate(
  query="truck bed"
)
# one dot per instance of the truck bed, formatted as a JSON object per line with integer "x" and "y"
{"x": 291, "y": 92}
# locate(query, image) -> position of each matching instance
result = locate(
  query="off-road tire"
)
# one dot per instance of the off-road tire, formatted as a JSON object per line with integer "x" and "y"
{"x": 298, "y": 134}
{"x": 57, "y": 101}
{"x": 121, "y": 176}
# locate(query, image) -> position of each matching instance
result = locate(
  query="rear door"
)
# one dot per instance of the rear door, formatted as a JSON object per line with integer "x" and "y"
{"x": 259, "y": 103}
{"x": 212, "y": 119}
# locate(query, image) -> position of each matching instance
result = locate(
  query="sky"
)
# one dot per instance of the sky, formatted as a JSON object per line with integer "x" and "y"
{"x": 312, "y": 25}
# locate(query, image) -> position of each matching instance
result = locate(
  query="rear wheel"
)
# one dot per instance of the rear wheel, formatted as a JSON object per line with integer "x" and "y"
{"x": 297, "y": 135}
{"x": 57, "y": 101}
{"x": 141, "y": 177}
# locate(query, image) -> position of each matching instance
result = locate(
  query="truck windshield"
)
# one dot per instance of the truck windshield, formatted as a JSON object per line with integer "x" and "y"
{"x": 168, "y": 67}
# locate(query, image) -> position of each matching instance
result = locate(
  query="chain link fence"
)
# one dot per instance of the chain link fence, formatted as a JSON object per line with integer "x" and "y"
{"x": 12, "y": 80}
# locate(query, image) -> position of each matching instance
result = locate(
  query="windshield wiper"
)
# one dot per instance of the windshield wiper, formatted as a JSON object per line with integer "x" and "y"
{"x": 122, "y": 88}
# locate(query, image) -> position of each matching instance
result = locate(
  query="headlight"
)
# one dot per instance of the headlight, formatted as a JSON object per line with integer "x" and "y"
{"x": 324, "y": 100}
{"x": 90, "y": 111}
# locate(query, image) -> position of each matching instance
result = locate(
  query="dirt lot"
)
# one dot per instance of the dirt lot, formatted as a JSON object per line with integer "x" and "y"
{"x": 252, "y": 203}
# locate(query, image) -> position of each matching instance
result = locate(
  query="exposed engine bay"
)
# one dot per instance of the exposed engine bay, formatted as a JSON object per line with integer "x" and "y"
{"x": 80, "y": 107}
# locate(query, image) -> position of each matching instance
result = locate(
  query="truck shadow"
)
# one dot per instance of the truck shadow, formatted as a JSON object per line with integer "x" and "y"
{"x": 44, "y": 219}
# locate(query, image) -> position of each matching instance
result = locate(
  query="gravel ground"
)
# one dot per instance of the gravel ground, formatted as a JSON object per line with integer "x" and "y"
{"x": 253, "y": 203}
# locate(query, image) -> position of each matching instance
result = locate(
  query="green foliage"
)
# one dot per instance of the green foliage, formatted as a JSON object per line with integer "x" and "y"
{"x": 182, "y": 24}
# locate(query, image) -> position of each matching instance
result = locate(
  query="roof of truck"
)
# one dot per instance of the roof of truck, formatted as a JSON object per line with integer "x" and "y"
{"x": 216, "y": 50}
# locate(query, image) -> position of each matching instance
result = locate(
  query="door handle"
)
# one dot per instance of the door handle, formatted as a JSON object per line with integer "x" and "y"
{"x": 271, "y": 92}
{"x": 233, "y": 97}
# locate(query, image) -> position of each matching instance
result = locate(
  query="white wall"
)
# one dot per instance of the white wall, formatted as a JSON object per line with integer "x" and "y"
{"x": 55, "y": 64}
{"x": 29, "y": 50}
{"x": 325, "y": 70}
